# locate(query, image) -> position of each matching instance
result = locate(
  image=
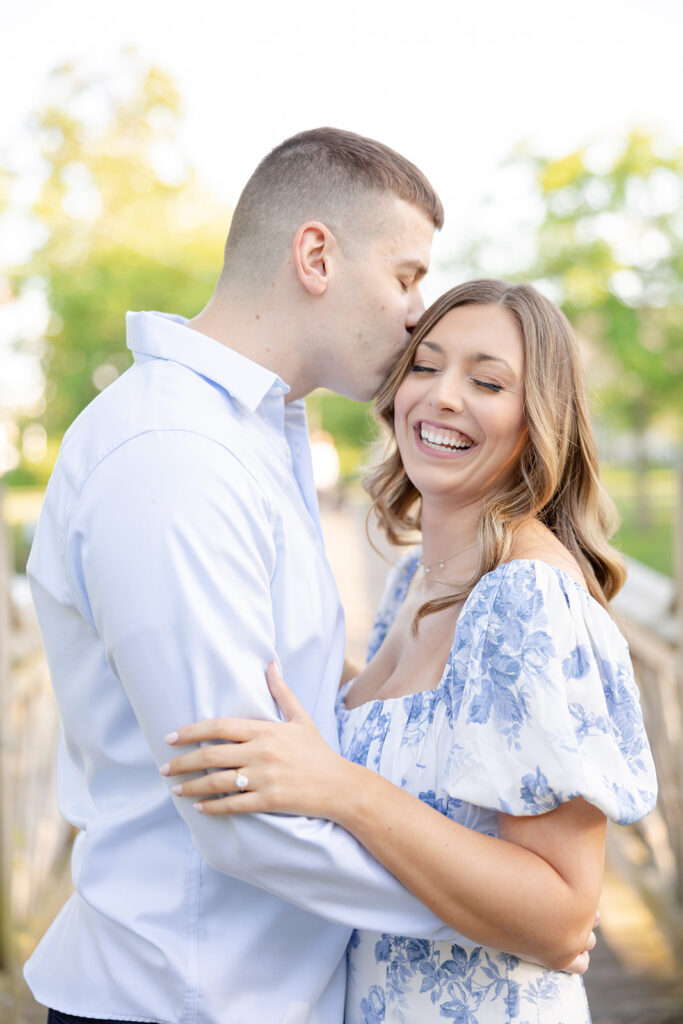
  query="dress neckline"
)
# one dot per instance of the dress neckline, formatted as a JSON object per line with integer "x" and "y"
{"x": 409, "y": 571}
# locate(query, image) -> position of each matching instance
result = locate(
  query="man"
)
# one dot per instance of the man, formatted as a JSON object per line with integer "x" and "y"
{"x": 178, "y": 552}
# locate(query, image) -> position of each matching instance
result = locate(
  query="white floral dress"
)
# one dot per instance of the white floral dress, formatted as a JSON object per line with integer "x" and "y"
{"x": 537, "y": 704}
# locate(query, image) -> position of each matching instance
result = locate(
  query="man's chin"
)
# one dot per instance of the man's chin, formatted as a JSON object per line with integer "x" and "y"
{"x": 363, "y": 392}
{"x": 372, "y": 393}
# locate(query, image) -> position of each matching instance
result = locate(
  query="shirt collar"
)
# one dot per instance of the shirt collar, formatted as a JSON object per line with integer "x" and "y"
{"x": 164, "y": 336}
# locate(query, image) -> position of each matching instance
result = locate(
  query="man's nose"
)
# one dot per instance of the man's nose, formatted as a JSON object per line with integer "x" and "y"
{"x": 415, "y": 309}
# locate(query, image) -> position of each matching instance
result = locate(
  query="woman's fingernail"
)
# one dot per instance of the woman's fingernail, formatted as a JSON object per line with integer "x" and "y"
{"x": 198, "y": 807}
{"x": 165, "y": 769}
{"x": 177, "y": 789}
{"x": 171, "y": 737}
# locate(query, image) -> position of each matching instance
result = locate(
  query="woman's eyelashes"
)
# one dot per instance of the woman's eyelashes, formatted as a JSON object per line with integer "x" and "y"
{"x": 487, "y": 385}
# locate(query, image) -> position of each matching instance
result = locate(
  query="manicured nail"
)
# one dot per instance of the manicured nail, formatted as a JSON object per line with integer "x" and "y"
{"x": 165, "y": 769}
{"x": 177, "y": 789}
{"x": 172, "y": 737}
{"x": 198, "y": 807}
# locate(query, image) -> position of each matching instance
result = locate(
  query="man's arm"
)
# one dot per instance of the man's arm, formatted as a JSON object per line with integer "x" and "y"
{"x": 171, "y": 554}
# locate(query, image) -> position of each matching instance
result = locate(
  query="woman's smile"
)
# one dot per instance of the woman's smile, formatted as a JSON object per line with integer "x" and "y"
{"x": 442, "y": 440}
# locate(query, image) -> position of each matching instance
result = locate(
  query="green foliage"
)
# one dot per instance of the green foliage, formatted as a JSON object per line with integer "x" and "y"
{"x": 611, "y": 241}
{"x": 610, "y": 246}
{"x": 34, "y": 473}
{"x": 349, "y": 422}
{"x": 88, "y": 346}
{"x": 127, "y": 226}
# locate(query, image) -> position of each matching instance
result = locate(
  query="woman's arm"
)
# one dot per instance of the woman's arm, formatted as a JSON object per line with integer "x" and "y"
{"x": 350, "y": 671}
{"x": 533, "y": 891}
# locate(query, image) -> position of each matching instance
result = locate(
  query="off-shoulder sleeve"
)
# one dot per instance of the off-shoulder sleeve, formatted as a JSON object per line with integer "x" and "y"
{"x": 543, "y": 703}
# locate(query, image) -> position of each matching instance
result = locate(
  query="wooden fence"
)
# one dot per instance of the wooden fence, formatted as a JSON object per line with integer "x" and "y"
{"x": 33, "y": 837}
{"x": 650, "y": 854}
{"x": 5, "y": 832}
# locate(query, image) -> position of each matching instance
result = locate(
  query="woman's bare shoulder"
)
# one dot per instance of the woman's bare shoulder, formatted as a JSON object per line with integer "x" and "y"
{"x": 536, "y": 541}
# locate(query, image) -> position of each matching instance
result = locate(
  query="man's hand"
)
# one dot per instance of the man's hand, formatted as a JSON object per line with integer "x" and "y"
{"x": 582, "y": 962}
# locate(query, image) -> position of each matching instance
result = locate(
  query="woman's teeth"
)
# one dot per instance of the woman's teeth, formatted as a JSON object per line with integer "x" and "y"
{"x": 443, "y": 440}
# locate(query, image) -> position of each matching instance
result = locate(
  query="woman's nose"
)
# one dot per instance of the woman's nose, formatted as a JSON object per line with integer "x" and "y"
{"x": 447, "y": 393}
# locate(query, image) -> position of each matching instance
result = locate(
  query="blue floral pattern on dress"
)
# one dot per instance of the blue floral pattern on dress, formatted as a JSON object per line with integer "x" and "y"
{"x": 537, "y": 704}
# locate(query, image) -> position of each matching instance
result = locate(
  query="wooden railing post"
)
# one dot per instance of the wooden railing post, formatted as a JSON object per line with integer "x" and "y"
{"x": 5, "y": 697}
{"x": 678, "y": 562}
{"x": 678, "y": 598}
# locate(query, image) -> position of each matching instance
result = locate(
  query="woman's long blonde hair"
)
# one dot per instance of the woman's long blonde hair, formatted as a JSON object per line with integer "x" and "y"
{"x": 558, "y": 479}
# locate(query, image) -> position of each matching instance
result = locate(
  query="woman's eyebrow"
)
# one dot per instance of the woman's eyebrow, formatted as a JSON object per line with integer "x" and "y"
{"x": 478, "y": 357}
{"x": 483, "y": 357}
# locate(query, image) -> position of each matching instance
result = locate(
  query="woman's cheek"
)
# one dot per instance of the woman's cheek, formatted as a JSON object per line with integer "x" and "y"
{"x": 402, "y": 402}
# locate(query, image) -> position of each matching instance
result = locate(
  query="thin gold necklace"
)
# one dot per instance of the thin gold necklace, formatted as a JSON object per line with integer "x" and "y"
{"x": 426, "y": 569}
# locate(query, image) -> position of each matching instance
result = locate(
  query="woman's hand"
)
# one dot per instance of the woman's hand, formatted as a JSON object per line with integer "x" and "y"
{"x": 263, "y": 766}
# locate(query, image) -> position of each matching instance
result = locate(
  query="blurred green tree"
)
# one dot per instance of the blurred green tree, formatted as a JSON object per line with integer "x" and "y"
{"x": 611, "y": 243}
{"x": 126, "y": 225}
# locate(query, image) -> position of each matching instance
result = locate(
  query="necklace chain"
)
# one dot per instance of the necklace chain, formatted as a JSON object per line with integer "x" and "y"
{"x": 441, "y": 562}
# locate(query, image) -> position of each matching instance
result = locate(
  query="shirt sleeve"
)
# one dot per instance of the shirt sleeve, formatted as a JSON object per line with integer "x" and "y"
{"x": 170, "y": 551}
{"x": 544, "y": 703}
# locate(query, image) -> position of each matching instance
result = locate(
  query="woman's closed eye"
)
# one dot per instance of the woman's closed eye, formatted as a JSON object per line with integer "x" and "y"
{"x": 487, "y": 385}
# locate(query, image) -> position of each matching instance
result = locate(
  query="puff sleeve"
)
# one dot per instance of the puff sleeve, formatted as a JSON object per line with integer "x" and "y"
{"x": 542, "y": 701}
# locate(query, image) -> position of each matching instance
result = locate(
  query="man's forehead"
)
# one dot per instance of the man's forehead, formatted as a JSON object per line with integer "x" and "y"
{"x": 396, "y": 232}
{"x": 403, "y": 216}
{"x": 408, "y": 232}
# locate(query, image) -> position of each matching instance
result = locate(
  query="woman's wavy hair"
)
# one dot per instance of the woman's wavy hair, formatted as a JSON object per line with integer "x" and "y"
{"x": 558, "y": 477}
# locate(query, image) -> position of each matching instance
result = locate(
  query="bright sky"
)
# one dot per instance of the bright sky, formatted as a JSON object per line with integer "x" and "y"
{"x": 453, "y": 85}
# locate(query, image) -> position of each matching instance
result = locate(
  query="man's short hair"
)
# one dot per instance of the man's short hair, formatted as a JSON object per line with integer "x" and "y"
{"x": 324, "y": 174}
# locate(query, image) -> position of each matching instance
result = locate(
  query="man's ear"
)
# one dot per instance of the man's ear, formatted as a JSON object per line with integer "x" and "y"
{"x": 311, "y": 250}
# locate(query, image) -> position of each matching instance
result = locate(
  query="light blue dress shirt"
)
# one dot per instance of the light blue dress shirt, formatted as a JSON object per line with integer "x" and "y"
{"x": 178, "y": 552}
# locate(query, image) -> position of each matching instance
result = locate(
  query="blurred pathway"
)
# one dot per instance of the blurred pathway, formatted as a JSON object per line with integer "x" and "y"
{"x": 633, "y": 978}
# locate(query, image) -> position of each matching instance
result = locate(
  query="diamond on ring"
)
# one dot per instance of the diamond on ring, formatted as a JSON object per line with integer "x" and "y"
{"x": 241, "y": 781}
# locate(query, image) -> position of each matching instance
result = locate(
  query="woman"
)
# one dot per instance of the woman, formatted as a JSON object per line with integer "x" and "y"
{"x": 496, "y": 724}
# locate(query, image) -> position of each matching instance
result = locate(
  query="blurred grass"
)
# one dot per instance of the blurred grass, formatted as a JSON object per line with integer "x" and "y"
{"x": 654, "y": 546}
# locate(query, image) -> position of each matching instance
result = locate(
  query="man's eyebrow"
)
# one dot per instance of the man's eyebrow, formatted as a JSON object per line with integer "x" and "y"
{"x": 416, "y": 265}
